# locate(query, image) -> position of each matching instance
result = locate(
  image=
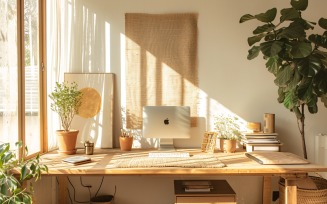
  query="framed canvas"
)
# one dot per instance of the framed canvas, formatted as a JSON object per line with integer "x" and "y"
{"x": 95, "y": 118}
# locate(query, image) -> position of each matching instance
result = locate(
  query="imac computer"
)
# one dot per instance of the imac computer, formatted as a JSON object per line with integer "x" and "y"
{"x": 166, "y": 123}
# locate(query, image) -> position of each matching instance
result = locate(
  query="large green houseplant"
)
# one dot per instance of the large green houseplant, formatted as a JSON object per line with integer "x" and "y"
{"x": 297, "y": 60}
{"x": 66, "y": 100}
{"x": 14, "y": 171}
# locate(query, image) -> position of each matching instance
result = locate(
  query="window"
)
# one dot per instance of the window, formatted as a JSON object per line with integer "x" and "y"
{"x": 22, "y": 73}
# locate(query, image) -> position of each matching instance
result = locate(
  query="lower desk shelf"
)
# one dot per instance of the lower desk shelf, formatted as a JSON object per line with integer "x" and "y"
{"x": 221, "y": 193}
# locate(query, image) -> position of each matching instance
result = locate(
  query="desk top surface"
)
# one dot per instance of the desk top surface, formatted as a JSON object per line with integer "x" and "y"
{"x": 236, "y": 164}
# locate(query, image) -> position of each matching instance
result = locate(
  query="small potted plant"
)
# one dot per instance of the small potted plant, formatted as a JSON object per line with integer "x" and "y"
{"x": 13, "y": 172}
{"x": 66, "y": 100}
{"x": 126, "y": 140}
{"x": 228, "y": 129}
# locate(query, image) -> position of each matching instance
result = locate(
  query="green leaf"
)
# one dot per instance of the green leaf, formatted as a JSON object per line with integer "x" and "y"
{"x": 271, "y": 48}
{"x": 268, "y": 16}
{"x": 246, "y": 17}
{"x": 3, "y": 189}
{"x": 4, "y": 148}
{"x": 313, "y": 109}
{"x": 253, "y": 52}
{"x": 313, "y": 100}
{"x": 270, "y": 36}
{"x": 321, "y": 81}
{"x": 312, "y": 104}
{"x": 7, "y": 157}
{"x": 305, "y": 90}
{"x": 305, "y": 24}
{"x": 309, "y": 66}
{"x": 323, "y": 57}
{"x": 284, "y": 76}
{"x": 319, "y": 40}
{"x": 281, "y": 95}
{"x": 27, "y": 198}
{"x": 289, "y": 14}
{"x": 290, "y": 100}
{"x": 254, "y": 39}
{"x": 273, "y": 64}
{"x": 323, "y": 23}
{"x": 26, "y": 150}
{"x": 300, "y": 5}
{"x": 294, "y": 80}
{"x": 294, "y": 30}
{"x": 301, "y": 49}
{"x": 23, "y": 173}
{"x": 263, "y": 28}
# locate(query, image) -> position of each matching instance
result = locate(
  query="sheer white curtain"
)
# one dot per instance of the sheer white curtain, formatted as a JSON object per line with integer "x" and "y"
{"x": 78, "y": 41}
{"x": 8, "y": 72}
{"x": 59, "y": 15}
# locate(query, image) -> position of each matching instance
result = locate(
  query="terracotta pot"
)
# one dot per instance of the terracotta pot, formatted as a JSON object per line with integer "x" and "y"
{"x": 228, "y": 146}
{"x": 126, "y": 143}
{"x": 67, "y": 141}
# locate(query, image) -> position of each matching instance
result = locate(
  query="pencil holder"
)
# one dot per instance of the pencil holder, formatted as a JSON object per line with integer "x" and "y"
{"x": 269, "y": 123}
{"x": 89, "y": 148}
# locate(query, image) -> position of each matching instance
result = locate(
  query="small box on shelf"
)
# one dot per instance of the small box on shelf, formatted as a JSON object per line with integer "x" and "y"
{"x": 203, "y": 191}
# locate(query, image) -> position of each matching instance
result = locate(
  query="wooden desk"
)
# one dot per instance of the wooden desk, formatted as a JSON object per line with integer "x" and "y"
{"x": 237, "y": 164}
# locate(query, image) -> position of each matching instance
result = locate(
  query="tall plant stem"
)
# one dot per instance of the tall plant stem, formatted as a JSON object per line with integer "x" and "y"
{"x": 301, "y": 128}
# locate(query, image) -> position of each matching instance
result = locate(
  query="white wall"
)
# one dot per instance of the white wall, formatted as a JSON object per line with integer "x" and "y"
{"x": 227, "y": 79}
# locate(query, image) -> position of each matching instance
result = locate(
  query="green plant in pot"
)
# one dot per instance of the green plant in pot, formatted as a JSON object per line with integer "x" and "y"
{"x": 66, "y": 100}
{"x": 297, "y": 60}
{"x": 228, "y": 129}
{"x": 14, "y": 171}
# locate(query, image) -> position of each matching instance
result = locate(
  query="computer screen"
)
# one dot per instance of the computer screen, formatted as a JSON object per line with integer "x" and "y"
{"x": 166, "y": 123}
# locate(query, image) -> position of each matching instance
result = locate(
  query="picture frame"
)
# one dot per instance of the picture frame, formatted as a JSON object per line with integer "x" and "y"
{"x": 98, "y": 128}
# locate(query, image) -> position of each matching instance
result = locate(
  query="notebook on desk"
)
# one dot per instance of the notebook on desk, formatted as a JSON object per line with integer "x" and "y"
{"x": 266, "y": 157}
{"x": 77, "y": 160}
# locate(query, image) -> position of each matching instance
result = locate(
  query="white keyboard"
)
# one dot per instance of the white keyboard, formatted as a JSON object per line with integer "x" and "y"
{"x": 168, "y": 154}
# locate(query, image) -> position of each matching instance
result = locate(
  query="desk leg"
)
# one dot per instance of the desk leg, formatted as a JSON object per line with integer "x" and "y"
{"x": 62, "y": 189}
{"x": 267, "y": 190}
{"x": 290, "y": 191}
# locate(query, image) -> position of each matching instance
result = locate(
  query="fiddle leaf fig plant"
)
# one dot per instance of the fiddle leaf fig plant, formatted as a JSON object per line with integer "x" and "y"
{"x": 66, "y": 100}
{"x": 297, "y": 59}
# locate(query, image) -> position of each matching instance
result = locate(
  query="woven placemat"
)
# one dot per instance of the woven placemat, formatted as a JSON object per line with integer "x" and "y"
{"x": 196, "y": 161}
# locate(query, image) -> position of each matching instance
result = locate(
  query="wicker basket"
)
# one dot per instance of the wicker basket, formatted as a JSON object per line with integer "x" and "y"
{"x": 307, "y": 196}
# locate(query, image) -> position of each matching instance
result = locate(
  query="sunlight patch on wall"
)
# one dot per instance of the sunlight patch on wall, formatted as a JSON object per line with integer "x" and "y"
{"x": 151, "y": 70}
{"x": 123, "y": 80}
{"x": 216, "y": 109}
{"x": 171, "y": 80}
{"x": 107, "y": 47}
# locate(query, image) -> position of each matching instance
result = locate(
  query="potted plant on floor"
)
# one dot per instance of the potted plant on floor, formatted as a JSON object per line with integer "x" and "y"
{"x": 299, "y": 63}
{"x": 297, "y": 60}
{"x": 228, "y": 130}
{"x": 13, "y": 172}
{"x": 66, "y": 100}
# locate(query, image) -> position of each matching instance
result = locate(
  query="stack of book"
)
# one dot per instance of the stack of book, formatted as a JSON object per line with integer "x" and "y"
{"x": 259, "y": 141}
{"x": 197, "y": 186}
